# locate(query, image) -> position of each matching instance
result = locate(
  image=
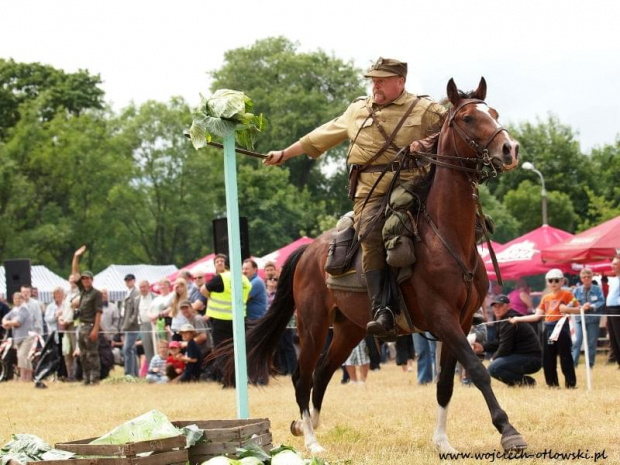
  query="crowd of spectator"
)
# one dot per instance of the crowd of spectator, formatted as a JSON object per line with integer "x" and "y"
{"x": 163, "y": 337}
{"x": 168, "y": 336}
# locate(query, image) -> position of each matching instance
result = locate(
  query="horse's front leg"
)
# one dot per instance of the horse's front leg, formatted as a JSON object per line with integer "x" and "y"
{"x": 457, "y": 343}
{"x": 445, "y": 387}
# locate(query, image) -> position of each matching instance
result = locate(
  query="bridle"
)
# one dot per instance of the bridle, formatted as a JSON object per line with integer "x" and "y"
{"x": 483, "y": 167}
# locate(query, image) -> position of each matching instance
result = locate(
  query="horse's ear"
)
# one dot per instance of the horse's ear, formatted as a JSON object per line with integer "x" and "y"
{"x": 452, "y": 92}
{"x": 481, "y": 92}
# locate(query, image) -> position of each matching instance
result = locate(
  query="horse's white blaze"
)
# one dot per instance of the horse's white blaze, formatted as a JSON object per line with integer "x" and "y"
{"x": 485, "y": 109}
{"x": 310, "y": 440}
{"x": 440, "y": 437}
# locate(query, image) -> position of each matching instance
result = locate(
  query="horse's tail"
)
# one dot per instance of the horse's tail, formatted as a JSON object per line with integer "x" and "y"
{"x": 263, "y": 335}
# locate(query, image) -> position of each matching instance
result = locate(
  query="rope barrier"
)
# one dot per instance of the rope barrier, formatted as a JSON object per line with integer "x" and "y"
{"x": 597, "y": 315}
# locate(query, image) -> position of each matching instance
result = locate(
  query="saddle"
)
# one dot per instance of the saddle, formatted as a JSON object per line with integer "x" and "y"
{"x": 349, "y": 275}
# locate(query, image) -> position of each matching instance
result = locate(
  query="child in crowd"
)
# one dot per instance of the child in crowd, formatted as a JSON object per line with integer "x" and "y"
{"x": 553, "y": 307}
{"x": 192, "y": 354}
{"x": 157, "y": 368}
{"x": 174, "y": 363}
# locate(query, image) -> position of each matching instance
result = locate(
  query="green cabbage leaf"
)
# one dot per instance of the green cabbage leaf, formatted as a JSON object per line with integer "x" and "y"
{"x": 223, "y": 113}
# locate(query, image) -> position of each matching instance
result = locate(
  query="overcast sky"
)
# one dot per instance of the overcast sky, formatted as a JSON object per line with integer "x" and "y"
{"x": 538, "y": 57}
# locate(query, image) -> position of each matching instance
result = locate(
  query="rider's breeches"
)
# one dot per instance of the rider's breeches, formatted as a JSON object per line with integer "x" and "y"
{"x": 373, "y": 250}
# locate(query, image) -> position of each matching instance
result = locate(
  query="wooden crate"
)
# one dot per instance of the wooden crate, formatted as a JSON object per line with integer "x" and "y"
{"x": 225, "y": 436}
{"x": 164, "y": 452}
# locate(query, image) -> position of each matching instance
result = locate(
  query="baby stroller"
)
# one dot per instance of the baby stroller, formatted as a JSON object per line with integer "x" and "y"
{"x": 8, "y": 360}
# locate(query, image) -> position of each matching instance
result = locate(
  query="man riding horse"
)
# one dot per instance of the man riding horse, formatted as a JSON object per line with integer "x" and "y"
{"x": 378, "y": 127}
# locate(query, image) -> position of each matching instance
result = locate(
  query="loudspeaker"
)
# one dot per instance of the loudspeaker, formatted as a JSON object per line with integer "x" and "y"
{"x": 220, "y": 237}
{"x": 17, "y": 274}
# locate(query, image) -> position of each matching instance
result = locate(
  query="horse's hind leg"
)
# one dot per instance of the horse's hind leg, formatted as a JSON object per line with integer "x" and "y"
{"x": 347, "y": 336}
{"x": 457, "y": 343}
{"x": 312, "y": 340}
{"x": 445, "y": 387}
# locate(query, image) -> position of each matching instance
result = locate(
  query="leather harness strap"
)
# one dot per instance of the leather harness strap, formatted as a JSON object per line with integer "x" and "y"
{"x": 389, "y": 141}
{"x": 397, "y": 165}
{"x": 375, "y": 120}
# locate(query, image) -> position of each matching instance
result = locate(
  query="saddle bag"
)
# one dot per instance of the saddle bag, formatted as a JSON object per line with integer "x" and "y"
{"x": 339, "y": 254}
{"x": 398, "y": 229}
{"x": 341, "y": 248}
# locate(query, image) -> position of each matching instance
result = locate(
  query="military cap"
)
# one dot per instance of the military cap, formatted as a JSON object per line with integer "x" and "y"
{"x": 87, "y": 274}
{"x": 387, "y": 67}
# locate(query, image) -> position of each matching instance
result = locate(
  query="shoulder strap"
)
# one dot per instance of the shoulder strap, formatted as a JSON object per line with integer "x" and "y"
{"x": 379, "y": 127}
{"x": 390, "y": 139}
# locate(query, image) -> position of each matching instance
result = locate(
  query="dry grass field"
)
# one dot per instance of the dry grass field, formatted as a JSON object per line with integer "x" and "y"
{"x": 389, "y": 421}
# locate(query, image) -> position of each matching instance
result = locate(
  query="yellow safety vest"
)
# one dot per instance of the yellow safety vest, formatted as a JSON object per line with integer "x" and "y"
{"x": 220, "y": 303}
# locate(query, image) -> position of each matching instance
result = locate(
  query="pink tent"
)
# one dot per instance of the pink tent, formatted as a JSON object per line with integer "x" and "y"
{"x": 483, "y": 249}
{"x": 279, "y": 256}
{"x": 601, "y": 242}
{"x": 521, "y": 256}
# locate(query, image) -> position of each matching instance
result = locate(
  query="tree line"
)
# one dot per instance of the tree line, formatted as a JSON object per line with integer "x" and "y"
{"x": 130, "y": 185}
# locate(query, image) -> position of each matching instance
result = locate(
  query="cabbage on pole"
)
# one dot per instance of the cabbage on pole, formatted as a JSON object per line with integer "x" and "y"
{"x": 225, "y": 112}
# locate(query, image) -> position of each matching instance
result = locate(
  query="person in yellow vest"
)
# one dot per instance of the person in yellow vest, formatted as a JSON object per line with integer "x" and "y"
{"x": 220, "y": 305}
{"x": 219, "y": 314}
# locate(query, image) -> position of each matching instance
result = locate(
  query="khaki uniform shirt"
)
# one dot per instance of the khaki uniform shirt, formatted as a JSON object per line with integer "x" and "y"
{"x": 91, "y": 303}
{"x": 425, "y": 119}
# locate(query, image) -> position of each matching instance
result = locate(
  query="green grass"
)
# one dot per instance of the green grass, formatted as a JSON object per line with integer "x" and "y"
{"x": 389, "y": 421}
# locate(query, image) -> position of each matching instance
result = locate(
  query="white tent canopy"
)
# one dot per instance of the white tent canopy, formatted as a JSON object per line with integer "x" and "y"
{"x": 43, "y": 279}
{"x": 112, "y": 277}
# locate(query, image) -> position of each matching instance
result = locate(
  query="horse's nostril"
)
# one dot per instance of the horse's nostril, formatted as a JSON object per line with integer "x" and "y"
{"x": 506, "y": 148}
{"x": 510, "y": 151}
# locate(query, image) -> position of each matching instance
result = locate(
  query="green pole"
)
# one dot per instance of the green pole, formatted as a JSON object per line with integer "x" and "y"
{"x": 234, "y": 241}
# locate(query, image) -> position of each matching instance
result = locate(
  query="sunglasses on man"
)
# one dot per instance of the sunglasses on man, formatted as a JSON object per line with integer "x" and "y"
{"x": 554, "y": 280}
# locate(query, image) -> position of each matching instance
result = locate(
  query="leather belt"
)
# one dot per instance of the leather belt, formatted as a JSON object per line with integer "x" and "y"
{"x": 394, "y": 166}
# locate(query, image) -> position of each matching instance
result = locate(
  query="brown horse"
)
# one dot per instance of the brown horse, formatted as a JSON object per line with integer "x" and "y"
{"x": 448, "y": 284}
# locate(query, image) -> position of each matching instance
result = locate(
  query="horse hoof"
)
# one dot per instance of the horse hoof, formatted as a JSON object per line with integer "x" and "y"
{"x": 514, "y": 442}
{"x": 444, "y": 447}
{"x": 315, "y": 448}
{"x": 295, "y": 429}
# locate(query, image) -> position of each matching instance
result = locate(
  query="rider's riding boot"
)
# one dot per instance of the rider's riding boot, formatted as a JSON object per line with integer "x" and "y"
{"x": 382, "y": 324}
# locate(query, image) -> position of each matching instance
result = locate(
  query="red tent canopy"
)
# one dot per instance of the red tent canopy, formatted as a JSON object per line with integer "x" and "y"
{"x": 483, "y": 249}
{"x": 521, "y": 256}
{"x": 601, "y": 242}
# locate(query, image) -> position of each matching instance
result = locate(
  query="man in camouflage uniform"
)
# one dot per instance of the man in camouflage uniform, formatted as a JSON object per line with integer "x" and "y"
{"x": 89, "y": 308}
{"x": 377, "y": 127}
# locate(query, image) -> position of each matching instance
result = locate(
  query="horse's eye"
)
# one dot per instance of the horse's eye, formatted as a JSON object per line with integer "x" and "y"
{"x": 468, "y": 119}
